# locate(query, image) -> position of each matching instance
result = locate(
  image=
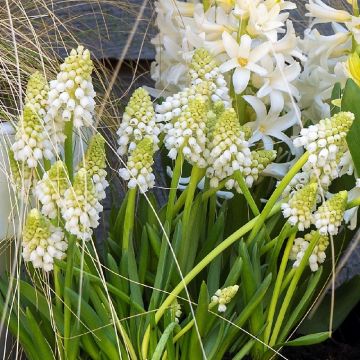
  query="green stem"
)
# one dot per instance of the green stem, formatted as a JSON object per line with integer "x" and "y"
{"x": 353, "y": 203}
{"x": 180, "y": 202}
{"x": 277, "y": 194}
{"x": 173, "y": 190}
{"x": 291, "y": 290}
{"x": 246, "y": 192}
{"x": 212, "y": 191}
{"x": 129, "y": 219}
{"x": 197, "y": 269}
{"x": 68, "y": 148}
{"x": 189, "y": 325}
{"x": 276, "y": 292}
{"x": 196, "y": 176}
{"x": 268, "y": 246}
{"x": 287, "y": 280}
{"x": 57, "y": 285}
{"x": 67, "y": 298}
{"x": 355, "y": 6}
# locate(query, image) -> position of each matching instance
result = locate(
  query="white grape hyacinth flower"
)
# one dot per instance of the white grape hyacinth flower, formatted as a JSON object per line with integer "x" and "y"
{"x": 31, "y": 140}
{"x": 80, "y": 207}
{"x": 71, "y": 96}
{"x": 138, "y": 171}
{"x": 42, "y": 242}
{"x": 138, "y": 122}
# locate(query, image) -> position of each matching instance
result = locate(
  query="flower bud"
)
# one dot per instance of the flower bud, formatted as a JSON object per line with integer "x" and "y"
{"x": 223, "y": 297}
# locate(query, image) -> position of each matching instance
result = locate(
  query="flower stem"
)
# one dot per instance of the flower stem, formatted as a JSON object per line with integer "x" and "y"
{"x": 173, "y": 190}
{"x": 68, "y": 284}
{"x": 276, "y": 292}
{"x": 355, "y": 6}
{"x": 246, "y": 192}
{"x": 196, "y": 176}
{"x": 197, "y": 269}
{"x": 129, "y": 219}
{"x": 291, "y": 290}
{"x": 68, "y": 147}
{"x": 277, "y": 194}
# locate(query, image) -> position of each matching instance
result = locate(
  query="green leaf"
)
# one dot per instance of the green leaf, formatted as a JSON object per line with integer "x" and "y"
{"x": 18, "y": 330}
{"x": 162, "y": 341}
{"x": 39, "y": 301}
{"x": 155, "y": 240}
{"x": 249, "y": 309}
{"x": 347, "y": 296}
{"x": 309, "y": 339}
{"x": 335, "y": 95}
{"x": 350, "y": 102}
{"x": 302, "y": 305}
{"x": 201, "y": 316}
{"x": 38, "y": 338}
{"x": 90, "y": 318}
{"x": 144, "y": 262}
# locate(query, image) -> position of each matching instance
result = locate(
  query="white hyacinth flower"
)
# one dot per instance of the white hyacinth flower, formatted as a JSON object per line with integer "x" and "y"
{"x": 71, "y": 96}
{"x": 42, "y": 242}
{"x": 187, "y": 133}
{"x": 243, "y": 59}
{"x": 324, "y": 13}
{"x": 50, "y": 190}
{"x": 326, "y": 143}
{"x": 138, "y": 122}
{"x": 31, "y": 140}
{"x": 94, "y": 162}
{"x": 227, "y": 149}
{"x": 299, "y": 208}
{"x": 138, "y": 170}
{"x": 317, "y": 256}
{"x": 330, "y": 214}
{"x": 80, "y": 207}
{"x": 223, "y": 297}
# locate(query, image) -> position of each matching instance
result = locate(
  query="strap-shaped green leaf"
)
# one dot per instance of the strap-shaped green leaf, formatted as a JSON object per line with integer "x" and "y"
{"x": 350, "y": 102}
{"x": 162, "y": 341}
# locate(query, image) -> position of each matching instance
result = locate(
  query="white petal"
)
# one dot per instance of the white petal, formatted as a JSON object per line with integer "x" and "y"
{"x": 259, "y": 52}
{"x": 241, "y": 79}
{"x": 230, "y": 45}
{"x": 245, "y": 47}
{"x": 228, "y": 65}
{"x": 257, "y": 105}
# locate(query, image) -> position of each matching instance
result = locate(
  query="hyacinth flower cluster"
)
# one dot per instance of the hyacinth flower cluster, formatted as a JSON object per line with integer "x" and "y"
{"x": 332, "y": 58}
{"x": 326, "y": 145}
{"x": 42, "y": 241}
{"x": 206, "y": 82}
{"x": 224, "y": 296}
{"x": 317, "y": 256}
{"x": 71, "y": 96}
{"x": 66, "y": 206}
{"x": 32, "y": 143}
{"x": 254, "y": 43}
{"x": 198, "y": 125}
{"x": 138, "y": 122}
